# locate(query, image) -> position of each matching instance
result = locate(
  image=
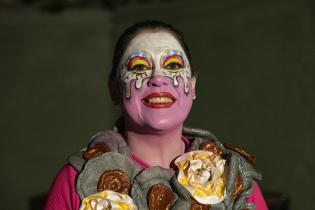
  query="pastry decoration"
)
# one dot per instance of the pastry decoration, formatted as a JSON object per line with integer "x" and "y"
{"x": 114, "y": 180}
{"x": 211, "y": 146}
{"x": 108, "y": 200}
{"x": 238, "y": 186}
{"x": 249, "y": 157}
{"x": 202, "y": 174}
{"x": 95, "y": 151}
{"x": 198, "y": 206}
{"x": 160, "y": 197}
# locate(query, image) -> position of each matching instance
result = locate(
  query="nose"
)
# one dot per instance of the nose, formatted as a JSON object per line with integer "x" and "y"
{"x": 157, "y": 81}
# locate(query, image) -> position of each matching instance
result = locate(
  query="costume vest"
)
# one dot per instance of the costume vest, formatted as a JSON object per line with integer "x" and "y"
{"x": 106, "y": 164}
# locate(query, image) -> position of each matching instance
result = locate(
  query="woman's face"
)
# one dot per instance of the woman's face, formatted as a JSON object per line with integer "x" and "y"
{"x": 158, "y": 88}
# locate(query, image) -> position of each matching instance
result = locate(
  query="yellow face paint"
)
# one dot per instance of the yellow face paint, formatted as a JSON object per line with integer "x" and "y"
{"x": 173, "y": 59}
{"x": 139, "y": 62}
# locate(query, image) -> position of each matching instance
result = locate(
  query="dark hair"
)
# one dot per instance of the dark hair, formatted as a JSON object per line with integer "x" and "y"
{"x": 132, "y": 31}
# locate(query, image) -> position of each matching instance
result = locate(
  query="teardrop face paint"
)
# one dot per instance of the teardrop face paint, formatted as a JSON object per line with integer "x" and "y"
{"x": 157, "y": 84}
{"x": 137, "y": 66}
{"x": 175, "y": 64}
{"x": 143, "y": 59}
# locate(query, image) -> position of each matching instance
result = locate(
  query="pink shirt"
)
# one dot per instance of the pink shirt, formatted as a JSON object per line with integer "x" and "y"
{"x": 63, "y": 196}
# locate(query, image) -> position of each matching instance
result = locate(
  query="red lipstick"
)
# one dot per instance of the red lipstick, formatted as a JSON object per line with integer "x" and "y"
{"x": 159, "y": 100}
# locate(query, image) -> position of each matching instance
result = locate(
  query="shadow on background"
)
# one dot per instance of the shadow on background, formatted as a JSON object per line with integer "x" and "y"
{"x": 37, "y": 202}
{"x": 277, "y": 201}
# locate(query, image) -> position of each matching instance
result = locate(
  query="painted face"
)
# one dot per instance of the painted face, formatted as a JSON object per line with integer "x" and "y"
{"x": 157, "y": 82}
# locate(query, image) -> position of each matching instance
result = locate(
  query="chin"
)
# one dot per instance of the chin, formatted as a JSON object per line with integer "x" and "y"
{"x": 163, "y": 124}
{"x": 148, "y": 120}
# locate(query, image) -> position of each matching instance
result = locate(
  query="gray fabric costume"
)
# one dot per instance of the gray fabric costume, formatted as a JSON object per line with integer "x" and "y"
{"x": 119, "y": 157}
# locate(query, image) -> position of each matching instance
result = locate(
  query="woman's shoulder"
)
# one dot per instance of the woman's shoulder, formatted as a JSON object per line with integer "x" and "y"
{"x": 240, "y": 173}
{"x": 102, "y": 142}
{"x": 206, "y": 140}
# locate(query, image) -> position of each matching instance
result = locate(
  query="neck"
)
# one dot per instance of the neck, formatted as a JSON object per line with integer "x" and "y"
{"x": 156, "y": 149}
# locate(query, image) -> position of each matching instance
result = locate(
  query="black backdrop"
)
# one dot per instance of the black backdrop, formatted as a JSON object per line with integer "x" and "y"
{"x": 255, "y": 64}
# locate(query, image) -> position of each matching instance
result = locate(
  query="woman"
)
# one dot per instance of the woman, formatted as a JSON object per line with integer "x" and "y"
{"x": 149, "y": 160}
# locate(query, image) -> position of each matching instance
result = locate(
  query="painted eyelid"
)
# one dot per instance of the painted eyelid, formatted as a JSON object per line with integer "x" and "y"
{"x": 138, "y": 60}
{"x": 173, "y": 58}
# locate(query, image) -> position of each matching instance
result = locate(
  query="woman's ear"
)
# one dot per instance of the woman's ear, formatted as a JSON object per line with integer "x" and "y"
{"x": 193, "y": 86}
{"x": 114, "y": 91}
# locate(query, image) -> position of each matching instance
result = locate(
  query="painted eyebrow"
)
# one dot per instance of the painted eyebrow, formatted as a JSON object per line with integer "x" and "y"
{"x": 168, "y": 54}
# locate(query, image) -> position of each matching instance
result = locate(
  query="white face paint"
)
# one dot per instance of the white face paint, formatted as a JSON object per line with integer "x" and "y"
{"x": 152, "y": 54}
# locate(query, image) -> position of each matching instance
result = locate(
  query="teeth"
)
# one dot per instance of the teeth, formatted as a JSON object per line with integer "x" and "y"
{"x": 160, "y": 100}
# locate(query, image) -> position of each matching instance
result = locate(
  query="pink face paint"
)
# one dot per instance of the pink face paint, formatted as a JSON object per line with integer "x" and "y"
{"x": 154, "y": 114}
{"x": 158, "y": 94}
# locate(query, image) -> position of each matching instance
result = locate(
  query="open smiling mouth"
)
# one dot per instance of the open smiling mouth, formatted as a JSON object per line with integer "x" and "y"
{"x": 159, "y": 100}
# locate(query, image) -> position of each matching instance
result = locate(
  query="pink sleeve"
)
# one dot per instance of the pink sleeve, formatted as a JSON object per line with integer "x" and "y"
{"x": 62, "y": 195}
{"x": 258, "y": 199}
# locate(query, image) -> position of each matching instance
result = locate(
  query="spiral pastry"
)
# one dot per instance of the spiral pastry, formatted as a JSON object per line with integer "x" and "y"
{"x": 211, "y": 147}
{"x": 160, "y": 197}
{"x": 114, "y": 180}
{"x": 95, "y": 151}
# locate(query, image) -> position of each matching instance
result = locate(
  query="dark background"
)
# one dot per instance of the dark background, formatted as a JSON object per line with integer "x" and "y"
{"x": 255, "y": 64}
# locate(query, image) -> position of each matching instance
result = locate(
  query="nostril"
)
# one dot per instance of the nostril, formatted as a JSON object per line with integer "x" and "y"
{"x": 153, "y": 84}
{"x": 156, "y": 81}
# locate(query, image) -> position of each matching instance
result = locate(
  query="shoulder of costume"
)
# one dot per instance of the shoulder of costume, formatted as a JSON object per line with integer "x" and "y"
{"x": 241, "y": 174}
{"x": 203, "y": 139}
{"x": 101, "y": 142}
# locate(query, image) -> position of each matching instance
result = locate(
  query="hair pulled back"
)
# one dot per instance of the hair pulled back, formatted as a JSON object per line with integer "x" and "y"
{"x": 132, "y": 31}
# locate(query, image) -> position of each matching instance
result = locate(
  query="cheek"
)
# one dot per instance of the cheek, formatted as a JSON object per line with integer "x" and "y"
{"x": 185, "y": 104}
{"x": 185, "y": 100}
{"x": 132, "y": 105}
{"x": 132, "y": 81}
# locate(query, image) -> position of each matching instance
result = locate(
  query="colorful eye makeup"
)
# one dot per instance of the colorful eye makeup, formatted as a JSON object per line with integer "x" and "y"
{"x": 139, "y": 61}
{"x": 172, "y": 60}
{"x": 141, "y": 65}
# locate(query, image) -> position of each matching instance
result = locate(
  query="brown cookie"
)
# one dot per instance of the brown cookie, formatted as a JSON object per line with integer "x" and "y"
{"x": 160, "y": 197}
{"x": 195, "y": 205}
{"x": 249, "y": 157}
{"x": 211, "y": 146}
{"x": 95, "y": 151}
{"x": 114, "y": 180}
{"x": 238, "y": 186}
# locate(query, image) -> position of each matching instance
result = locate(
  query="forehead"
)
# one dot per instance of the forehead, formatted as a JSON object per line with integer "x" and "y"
{"x": 154, "y": 42}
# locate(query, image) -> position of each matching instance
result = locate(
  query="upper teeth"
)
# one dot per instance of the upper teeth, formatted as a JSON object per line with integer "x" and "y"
{"x": 160, "y": 100}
